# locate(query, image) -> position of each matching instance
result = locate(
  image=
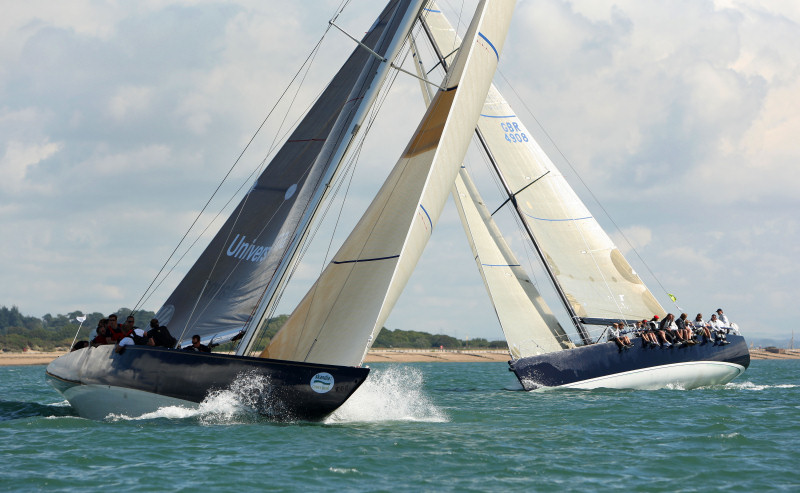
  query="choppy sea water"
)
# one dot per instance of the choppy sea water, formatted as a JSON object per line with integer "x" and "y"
{"x": 420, "y": 427}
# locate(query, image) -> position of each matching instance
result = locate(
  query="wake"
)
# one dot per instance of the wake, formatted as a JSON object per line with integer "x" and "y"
{"x": 391, "y": 394}
{"x": 246, "y": 400}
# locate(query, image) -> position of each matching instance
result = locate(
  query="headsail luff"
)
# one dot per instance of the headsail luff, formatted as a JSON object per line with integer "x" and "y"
{"x": 223, "y": 287}
{"x": 339, "y": 317}
{"x": 596, "y": 278}
{"x": 527, "y": 322}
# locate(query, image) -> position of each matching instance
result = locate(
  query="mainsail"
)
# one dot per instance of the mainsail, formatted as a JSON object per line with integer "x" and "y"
{"x": 256, "y": 244}
{"x": 595, "y": 277}
{"x": 527, "y": 322}
{"x": 341, "y": 314}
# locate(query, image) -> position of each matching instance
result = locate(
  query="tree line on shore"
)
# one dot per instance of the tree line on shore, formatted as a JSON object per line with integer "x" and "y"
{"x": 20, "y": 332}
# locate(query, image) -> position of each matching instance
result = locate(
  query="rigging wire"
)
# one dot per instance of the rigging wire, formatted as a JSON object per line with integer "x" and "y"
{"x": 585, "y": 185}
{"x": 306, "y": 64}
{"x": 345, "y": 177}
{"x": 350, "y": 165}
{"x": 574, "y": 171}
{"x": 373, "y": 116}
{"x": 222, "y": 248}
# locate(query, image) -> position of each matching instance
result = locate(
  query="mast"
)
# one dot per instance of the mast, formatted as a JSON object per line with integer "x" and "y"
{"x": 291, "y": 257}
{"x": 559, "y": 290}
{"x": 343, "y": 312}
{"x": 574, "y": 318}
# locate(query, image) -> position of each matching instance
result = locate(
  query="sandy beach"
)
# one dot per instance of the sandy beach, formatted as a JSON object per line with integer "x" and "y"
{"x": 381, "y": 356}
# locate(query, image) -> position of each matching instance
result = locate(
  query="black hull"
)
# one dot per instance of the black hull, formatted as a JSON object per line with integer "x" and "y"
{"x": 98, "y": 381}
{"x": 606, "y": 366}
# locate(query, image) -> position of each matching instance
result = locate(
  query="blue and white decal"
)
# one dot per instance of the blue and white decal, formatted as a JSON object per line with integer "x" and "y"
{"x": 322, "y": 382}
{"x": 513, "y": 134}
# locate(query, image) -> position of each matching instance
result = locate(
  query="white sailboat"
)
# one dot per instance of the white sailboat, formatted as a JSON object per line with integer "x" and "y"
{"x": 594, "y": 282}
{"x": 314, "y": 363}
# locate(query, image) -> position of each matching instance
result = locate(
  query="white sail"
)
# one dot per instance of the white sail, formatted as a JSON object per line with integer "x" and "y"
{"x": 528, "y": 323}
{"x": 254, "y": 247}
{"x": 339, "y": 317}
{"x": 596, "y": 278}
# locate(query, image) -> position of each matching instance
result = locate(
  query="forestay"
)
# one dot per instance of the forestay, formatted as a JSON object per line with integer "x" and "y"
{"x": 596, "y": 278}
{"x": 341, "y": 314}
{"x": 527, "y": 322}
{"x": 255, "y": 245}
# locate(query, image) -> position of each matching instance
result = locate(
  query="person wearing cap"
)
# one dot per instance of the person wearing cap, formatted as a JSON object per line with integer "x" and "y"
{"x": 723, "y": 318}
{"x": 660, "y": 334}
{"x": 719, "y": 330}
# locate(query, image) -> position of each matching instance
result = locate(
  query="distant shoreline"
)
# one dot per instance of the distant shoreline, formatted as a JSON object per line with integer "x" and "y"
{"x": 381, "y": 356}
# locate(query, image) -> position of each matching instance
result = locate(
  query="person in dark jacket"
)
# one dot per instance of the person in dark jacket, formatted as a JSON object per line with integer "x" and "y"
{"x": 196, "y": 346}
{"x": 161, "y": 335}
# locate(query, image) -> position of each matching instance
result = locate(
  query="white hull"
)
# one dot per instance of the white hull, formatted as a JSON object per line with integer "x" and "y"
{"x": 686, "y": 376}
{"x": 100, "y": 401}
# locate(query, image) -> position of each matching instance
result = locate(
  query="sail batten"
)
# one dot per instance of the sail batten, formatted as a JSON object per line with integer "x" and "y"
{"x": 256, "y": 245}
{"x": 342, "y": 313}
{"x": 544, "y": 201}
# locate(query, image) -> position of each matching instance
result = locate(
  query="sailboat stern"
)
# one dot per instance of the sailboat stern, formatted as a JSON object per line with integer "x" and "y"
{"x": 98, "y": 382}
{"x": 606, "y": 366}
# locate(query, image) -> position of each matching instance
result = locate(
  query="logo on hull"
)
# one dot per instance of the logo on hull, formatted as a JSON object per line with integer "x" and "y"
{"x": 322, "y": 382}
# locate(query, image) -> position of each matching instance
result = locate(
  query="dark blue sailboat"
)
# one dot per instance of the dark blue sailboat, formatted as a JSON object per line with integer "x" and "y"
{"x": 592, "y": 279}
{"x": 234, "y": 283}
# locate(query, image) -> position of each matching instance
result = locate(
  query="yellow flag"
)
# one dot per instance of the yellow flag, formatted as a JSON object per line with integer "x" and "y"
{"x": 672, "y": 297}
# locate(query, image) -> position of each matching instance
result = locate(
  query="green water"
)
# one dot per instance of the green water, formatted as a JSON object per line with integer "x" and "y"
{"x": 421, "y": 427}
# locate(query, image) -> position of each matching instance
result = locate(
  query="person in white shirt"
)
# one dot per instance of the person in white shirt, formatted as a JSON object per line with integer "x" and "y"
{"x": 621, "y": 340}
{"x": 701, "y": 328}
{"x": 719, "y": 331}
{"x": 732, "y": 327}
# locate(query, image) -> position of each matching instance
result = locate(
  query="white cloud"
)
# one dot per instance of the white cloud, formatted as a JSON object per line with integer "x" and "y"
{"x": 16, "y": 161}
{"x": 681, "y": 116}
{"x": 128, "y": 101}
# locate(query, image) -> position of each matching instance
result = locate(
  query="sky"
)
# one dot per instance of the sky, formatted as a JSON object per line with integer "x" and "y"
{"x": 118, "y": 120}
